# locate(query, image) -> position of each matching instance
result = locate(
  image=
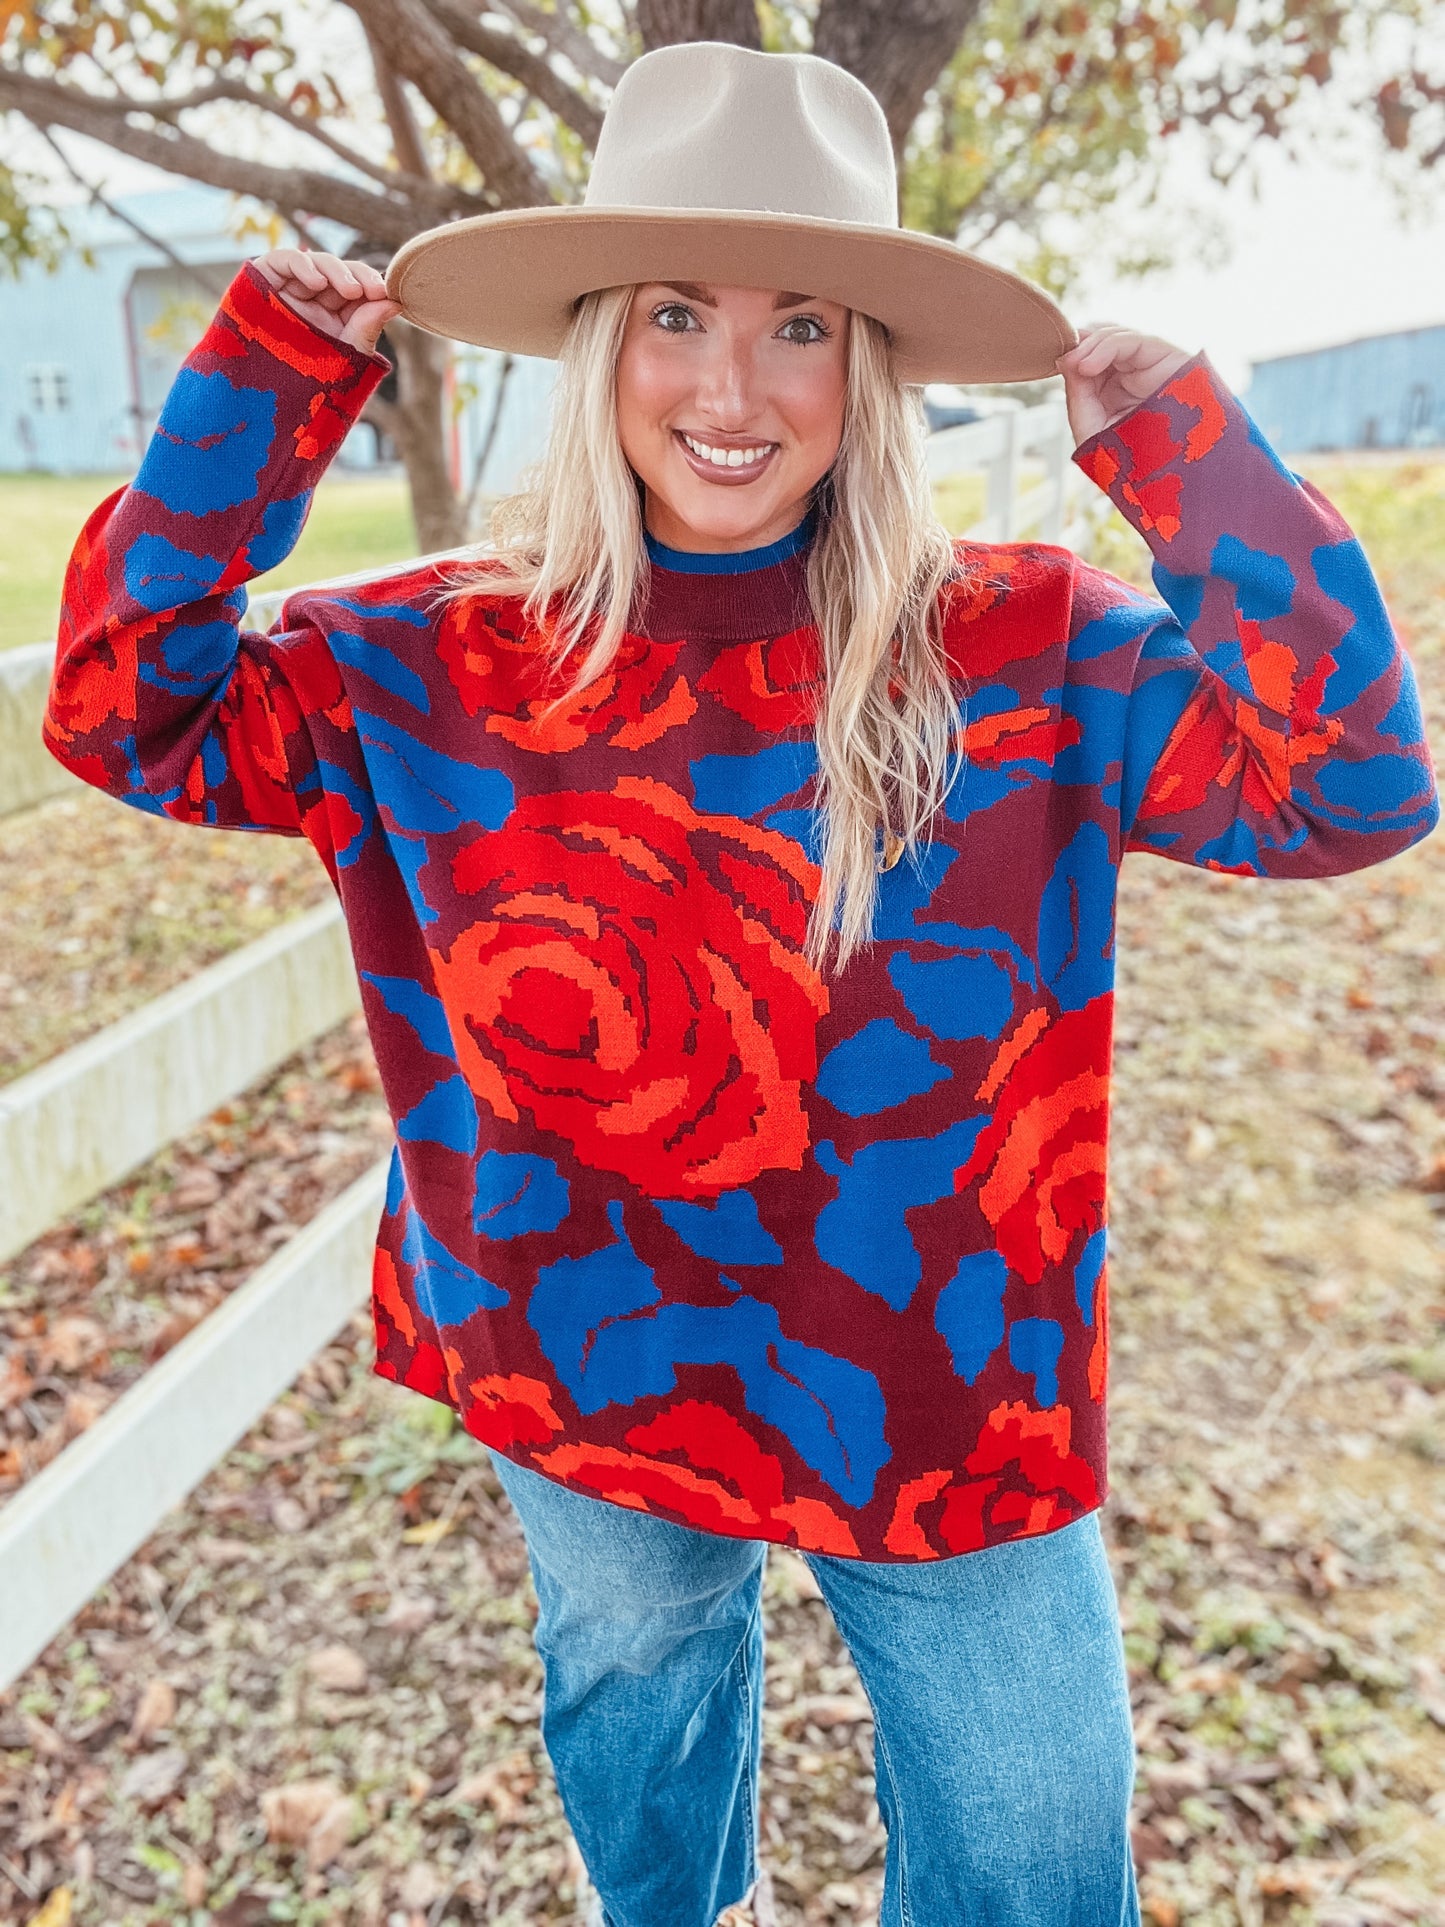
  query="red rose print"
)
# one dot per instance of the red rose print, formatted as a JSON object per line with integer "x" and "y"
{"x": 1099, "y": 1354}
{"x": 636, "y": 981}
{"x": 315, "y": 677}
{"x": 1011, "y": 735}
{"x": 262, "y": 711}
{"x": 425, "y": 1371}
{"x": 1158, "y": 504}
{"x": 1005, "y": 608}
{"x": 745, "y": 1501}
{"x": 1148, "y": 434}
{"x": 387, "y": 1299}
{"x": 1040, "y": 1158}
{"x": 508, "y": 673}
{"x": 1196, "y": 391}
{"x": 506, "y": 1409}
{"x": 1198, "y": 754}
{"x": 769, "y": 683}
{"x": 259, "y": 314}
{"x": 82, "y": 699}
{"x": 1022, "y": 1475}
{"x": 1101, "y": 465}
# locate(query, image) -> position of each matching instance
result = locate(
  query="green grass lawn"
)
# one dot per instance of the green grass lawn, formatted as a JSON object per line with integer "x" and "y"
{"x": 1397, "y": 507}
{"x": 352, "y": 525}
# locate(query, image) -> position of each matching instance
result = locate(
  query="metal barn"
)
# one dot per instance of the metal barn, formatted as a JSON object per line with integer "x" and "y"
{"x": 1384, "y": 391}
{"x": 88, "y": 351}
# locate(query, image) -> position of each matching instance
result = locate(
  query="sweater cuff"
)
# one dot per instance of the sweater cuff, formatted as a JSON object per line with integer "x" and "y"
{"x": 1140, "y": 460}
{"x": 259, "y": 314}
{"x": 340, "y": 377}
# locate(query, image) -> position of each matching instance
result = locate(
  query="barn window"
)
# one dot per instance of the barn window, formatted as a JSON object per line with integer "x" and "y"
{"x": 47, "y": 384}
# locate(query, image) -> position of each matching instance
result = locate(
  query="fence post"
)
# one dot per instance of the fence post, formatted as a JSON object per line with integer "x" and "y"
{"x": 1003, "y": 479}
{"x": 1057, "y": 451}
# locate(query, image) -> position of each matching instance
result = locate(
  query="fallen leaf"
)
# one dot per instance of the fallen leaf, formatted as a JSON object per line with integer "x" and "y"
{"x": 155, "y": 1709}
{"x": 154, "y": 1777}
{"x": 330, "y": 1833}
{"x": 56, "y": 1911}
{"x": 500, "y": 1786}
{"x": 340, "y": 1669}
{"x": 291, "y": 1811}
{"x": 428, "y": 1533}
{"x": 827, "y": 1710}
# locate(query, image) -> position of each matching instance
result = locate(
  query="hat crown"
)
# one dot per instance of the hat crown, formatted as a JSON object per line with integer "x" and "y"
{"x": 709, "y": 125}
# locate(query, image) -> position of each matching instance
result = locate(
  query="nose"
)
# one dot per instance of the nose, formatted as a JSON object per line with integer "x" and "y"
{"x": 726, "y": 388}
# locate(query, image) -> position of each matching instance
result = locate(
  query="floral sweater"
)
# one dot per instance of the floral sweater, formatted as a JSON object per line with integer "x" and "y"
{"x": 673, "y": 1218}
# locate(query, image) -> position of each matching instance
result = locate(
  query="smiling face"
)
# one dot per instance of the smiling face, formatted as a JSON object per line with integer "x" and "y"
{"x": 730, "y": 408}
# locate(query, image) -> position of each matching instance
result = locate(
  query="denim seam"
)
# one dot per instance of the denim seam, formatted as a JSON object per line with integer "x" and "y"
{"x": 880, "y": 1750}
{"x": 750, "y": 1775}
{"x": 752, "y": 1767}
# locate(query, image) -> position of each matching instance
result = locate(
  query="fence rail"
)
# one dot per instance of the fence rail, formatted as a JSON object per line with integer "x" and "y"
{"x": 82, "y": 1122}
{"x": 89, "y": 1117}
{"x": 75, "y": 1523}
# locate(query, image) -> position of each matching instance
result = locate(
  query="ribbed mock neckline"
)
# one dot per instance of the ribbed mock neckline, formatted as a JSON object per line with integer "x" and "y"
{"x": 729, "y": 596}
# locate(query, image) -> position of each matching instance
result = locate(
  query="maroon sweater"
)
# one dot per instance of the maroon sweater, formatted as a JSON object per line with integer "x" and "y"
{"x": 674, "y": 1219}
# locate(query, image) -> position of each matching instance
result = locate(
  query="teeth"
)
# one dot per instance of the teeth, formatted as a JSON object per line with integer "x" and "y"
{"x": 728, "y": 457}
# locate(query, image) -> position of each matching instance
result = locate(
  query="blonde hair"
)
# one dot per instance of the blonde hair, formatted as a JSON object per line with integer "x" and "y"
{"x": 570, "y": 542}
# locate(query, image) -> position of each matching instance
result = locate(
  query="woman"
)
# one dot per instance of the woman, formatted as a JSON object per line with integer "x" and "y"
{"x": 750, "y": 1180}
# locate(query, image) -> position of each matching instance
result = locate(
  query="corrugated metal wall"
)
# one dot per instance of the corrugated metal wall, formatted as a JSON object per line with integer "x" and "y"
{"x": 88, "y": 352}
{"x": 1384, "y": 392}
{"x": 75, "y": 344}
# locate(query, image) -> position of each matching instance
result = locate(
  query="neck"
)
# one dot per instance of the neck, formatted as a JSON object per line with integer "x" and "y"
{"x": 730, "y": 595}
{"x": 690, "y": 561}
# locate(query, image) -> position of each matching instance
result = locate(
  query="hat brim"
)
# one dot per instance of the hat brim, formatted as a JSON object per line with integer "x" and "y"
{"x": 509, "y": 280}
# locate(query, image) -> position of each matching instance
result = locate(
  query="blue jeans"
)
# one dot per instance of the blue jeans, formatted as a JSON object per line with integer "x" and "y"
{"x": 1003, "y": 1748}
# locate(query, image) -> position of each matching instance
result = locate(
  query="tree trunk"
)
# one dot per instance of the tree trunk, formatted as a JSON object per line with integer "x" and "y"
{"x": 416, "y": 422}
{"x": 897, "y": 48}
{"x": 665, "y": 23}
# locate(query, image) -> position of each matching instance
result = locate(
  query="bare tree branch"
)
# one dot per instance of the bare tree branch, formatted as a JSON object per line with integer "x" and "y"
{"x": 488, "y": 442}
{"x": 665, "y": 23}
{"x": 416, "y": 46}
{"x": 168, "y": 107}
{"x": 214, "y": 287}
{"x": 506, "y": 53}
{"x": 391, "y": 217}
{"x": 564, "y": 36}
{"x": 897, "y": 48}
{"x": 406, "y": 138}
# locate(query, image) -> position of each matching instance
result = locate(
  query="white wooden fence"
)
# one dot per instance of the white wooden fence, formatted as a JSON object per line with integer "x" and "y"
{"x": 89, "y": 1117}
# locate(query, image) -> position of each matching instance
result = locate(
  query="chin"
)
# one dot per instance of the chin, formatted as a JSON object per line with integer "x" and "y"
{"x": 708, "y": 504}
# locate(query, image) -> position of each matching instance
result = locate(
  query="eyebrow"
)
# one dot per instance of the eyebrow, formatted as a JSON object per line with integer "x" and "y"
{"x": 786, "y": 299}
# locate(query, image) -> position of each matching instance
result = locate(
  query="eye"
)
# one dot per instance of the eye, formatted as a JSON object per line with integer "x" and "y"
{"x": 824, "y": 333}
{"x": 670, "y": 307}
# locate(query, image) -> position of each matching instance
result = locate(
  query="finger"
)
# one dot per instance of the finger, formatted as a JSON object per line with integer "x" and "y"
{"x": 1140, "y": 377}
{"x": 1099, "y": 356}
{"x": 1089, "y": 337}
{"x": 335, "y": 273}
{"x": 1125, "y": 350}
{"x": 304, "y": 269}
{"x": 373, "y": 282}
{"x": 366, "y": 323}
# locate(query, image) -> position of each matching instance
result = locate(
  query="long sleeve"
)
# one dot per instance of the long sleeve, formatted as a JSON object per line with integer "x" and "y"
{"x": 159, "y": 696}
{"x": 1273, "y": 724}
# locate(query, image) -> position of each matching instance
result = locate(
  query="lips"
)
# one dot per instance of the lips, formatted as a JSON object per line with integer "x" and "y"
{"x": 714, "y": 472}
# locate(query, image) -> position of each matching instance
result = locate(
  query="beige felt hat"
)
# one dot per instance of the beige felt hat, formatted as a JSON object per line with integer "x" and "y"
{"x": 755, "y": 170}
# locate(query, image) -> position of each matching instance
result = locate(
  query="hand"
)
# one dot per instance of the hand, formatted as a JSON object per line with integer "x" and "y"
{"x": 344, "y": 299}
{"x": 1109, "y": 372}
